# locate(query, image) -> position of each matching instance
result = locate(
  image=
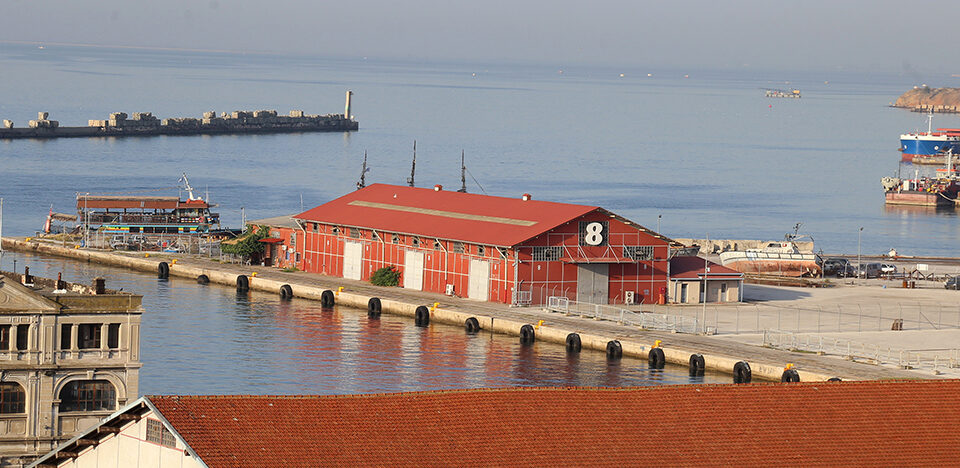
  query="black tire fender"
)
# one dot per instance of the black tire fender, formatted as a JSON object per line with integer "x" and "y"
{"x": 656, "y": 359}
{"x": 574, "y": 344}
{"x": 790, "y": 375}
{"x": 374, "y": 307}
{"x": 741, "y": 372}
{"x": 421, "y": 317}
{"x": 286, "y": 292}
{"x": 527, "y": 334}
{"x": 614, "y": 350}
{"x": 203, "y": 279}
{"x": 697, "y": 365}
{"x": 243, "y": 283}
{"x": 163, "y": 270}
{"x": 327, "y": 299}
{"x": 471, "y": 325}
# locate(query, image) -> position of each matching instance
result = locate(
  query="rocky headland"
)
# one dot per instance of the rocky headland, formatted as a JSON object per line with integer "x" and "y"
{"x": 926, "y": 99}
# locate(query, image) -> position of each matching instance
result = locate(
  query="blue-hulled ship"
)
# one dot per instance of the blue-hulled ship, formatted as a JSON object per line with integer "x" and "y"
{"x": 930, "y": 144}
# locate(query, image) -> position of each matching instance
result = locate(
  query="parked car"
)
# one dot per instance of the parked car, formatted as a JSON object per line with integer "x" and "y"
{"x": 888, "y": 268}
{"x": 869, "y": 270}
{"x": 952, "y": 282}
{"x": 837, "y": 267}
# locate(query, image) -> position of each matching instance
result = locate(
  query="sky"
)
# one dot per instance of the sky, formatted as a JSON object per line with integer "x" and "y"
{"x": 882, "y": 35}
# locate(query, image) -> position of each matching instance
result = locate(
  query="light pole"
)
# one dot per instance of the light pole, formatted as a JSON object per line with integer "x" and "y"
{"x": 858, "y": 251}
{"x": 658, "y": 222}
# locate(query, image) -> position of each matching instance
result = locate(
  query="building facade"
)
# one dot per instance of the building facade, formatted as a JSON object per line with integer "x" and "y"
{"x": 69, "y": 356}
{"x": 694, "y": 280}
{"x": 508, "y": 250}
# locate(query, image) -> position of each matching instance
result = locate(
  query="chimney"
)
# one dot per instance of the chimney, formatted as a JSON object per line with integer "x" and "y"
{"x": 437, "y": 188}
{"x": 99, "y": 285}
{"x": 526, "y": 197}
{"x": 346, "y": 107}
{"x": 61, "y": 284}
{"x": 27, "y": 279}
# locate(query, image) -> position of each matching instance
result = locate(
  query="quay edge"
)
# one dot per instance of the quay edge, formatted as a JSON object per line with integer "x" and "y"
{"x": 634, "y": 347}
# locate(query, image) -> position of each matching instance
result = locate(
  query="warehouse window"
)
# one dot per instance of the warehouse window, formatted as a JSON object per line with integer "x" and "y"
{"x": 113, "y": 336}
{"x": 23, "y": 334}
{"x": 481, "y": 250}
{"x": 355, "y": 233}
{"x": 546, "y": 254}
{"x": 316, "y": 227}
{"x": 394, "y": 238}
{"x": 88, "y": 336}
{"x": 502, "y": 251}
{"x": 158, "y": 434}
{"x": 374, "y": 235}
{"x": 636, "y": 253}
{"x": 4, "y": 337}
{"x": 65, "y": 330}
{"x": 336, "y": 231}
{"x": 293, "y": 240}
{"x": 458, "y": 247}
{"x": 415, "y": 242}
{"x": 88, "y": 395}
{"x": 437, "y": 246}
{"x": 12, "y": 398}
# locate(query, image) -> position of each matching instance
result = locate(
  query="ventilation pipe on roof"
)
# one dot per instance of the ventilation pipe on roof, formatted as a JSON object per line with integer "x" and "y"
{"x": 526, "y": 197}
{"x": 437, "y": 188}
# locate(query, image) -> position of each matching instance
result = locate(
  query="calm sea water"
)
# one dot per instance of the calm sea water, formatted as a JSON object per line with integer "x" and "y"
{"x": 709, "y": 152}
{"x": 210, "y": 340}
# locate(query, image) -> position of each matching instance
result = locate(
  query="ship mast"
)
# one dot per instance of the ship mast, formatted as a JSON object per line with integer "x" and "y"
{"x": 186, "y": 186}
{"x": 463, "y": 175}
{"x": 363, "y": 173}
{"x": 413, "y": 166}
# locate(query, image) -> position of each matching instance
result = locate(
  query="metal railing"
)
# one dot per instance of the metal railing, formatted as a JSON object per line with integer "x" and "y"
{"x": 645, "y": 320}
{"x": 935, "y": 361}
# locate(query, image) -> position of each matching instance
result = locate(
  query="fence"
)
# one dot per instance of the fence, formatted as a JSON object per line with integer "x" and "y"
{"x": 876, "y": 354}
{"x": 645, "y": 320}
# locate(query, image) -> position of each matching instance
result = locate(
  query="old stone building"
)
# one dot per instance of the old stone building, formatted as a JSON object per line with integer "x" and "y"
{"x": 69, "y": 356}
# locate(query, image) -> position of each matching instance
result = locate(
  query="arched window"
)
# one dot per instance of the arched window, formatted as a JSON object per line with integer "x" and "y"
{"x": 88, "y": 395}
{"x": 12, "y": 397}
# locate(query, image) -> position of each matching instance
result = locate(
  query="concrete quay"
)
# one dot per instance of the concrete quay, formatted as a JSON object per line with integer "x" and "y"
{"x": 719, "y": 354}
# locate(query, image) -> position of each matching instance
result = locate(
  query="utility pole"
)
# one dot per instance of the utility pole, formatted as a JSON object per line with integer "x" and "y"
{"x": 463, "y": 175}
{"x": 363, "y": 173}
{"x": 413, "y": 166}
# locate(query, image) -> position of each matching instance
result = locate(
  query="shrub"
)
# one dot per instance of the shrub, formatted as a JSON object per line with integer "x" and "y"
{"x": 386, "y": 276}
{"x": 249, "y": 244}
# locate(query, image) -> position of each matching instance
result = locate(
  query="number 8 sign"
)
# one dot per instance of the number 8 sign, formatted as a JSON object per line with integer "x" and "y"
{"x": 593, "y": 233}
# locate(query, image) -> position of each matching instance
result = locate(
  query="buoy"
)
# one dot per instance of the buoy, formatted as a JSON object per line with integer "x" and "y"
{"x": 286, "y": 292}
{"x": 741, "y": 372}
{"x": 472, "y": 325}
{"x": 527, "y": 334}
{"x": 697, "y": 365}
{"x": 203, "y": 279}
{"x": 326, "y": 299}
{"x": 573, "y": 343}
{"x": 374, "y": 307}
{"x": 163, "y": 270}
{"x": 789, "y": 374}
{"x": 243, "y": 283}
{"x": 656, "y": 359}
{"x": 421, "y": 317}
{"x": 614, "y": 350}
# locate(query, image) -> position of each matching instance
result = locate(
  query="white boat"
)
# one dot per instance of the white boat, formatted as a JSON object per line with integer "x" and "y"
{"x": 782, "y": 258}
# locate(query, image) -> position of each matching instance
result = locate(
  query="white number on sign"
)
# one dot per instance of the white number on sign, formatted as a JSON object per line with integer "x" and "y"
{"x": 594, "y": 235}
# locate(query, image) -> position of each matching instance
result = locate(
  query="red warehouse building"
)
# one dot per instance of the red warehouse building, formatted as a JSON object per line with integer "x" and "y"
{"x": 509, "y": 250}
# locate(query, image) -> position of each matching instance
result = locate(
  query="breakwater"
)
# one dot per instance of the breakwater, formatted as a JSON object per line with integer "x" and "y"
{"x": 121, "y": 124}
{"x": 526, "y": 323}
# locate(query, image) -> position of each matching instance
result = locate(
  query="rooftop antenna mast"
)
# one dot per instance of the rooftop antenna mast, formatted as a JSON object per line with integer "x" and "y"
{"x": 186, "y": 186}
{"x": 413, "y": 167}
{"x": 363, "y": 173}
{"x": 463, "y": 175}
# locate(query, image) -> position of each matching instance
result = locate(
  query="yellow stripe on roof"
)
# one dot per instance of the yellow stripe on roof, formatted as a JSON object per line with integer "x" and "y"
{"x": 445, "y": 214}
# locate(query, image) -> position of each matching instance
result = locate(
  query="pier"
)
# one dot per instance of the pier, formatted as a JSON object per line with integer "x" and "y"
{"x": 718, "y": 353}
{"x": 146, "y": 124}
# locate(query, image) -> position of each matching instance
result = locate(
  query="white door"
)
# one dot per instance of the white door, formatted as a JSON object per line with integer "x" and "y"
{"x": 413, "y": 270}
{"x": 352, "y": 259}
{"x": 479, "y": 287}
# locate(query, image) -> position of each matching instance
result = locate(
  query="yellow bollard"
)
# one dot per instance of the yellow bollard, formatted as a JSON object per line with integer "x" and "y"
{"x": 76, "y": 247}
{"x": 435, "y": 305}
{"x": 338, "y": 290}
{"x": 145, "y": 255}
{"x": 537, "y": 327}
{"x": 788, "y": 366}
{"x": 174, "y": 261}
{"x": 253, "y": 274}
{"x": 28, "y": 239}
{"x": 656, "y": 344}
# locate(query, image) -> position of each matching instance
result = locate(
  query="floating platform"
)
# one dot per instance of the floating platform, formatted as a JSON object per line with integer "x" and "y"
{"x": 917, "y": 198}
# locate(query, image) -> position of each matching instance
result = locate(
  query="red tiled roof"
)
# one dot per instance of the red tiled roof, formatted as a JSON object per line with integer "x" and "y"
{"x": 468, "y": 217}
{"x": 893, "y": 423}
{"x": 692, "y": 268}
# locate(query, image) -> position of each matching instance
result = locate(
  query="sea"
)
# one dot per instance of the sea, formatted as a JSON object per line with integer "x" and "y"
{"x": 691, "y": 152}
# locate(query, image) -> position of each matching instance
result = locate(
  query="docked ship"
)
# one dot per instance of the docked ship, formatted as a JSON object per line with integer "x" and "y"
{"x": 940, "y": 190}
{"x": 929, "y": 147}
{"x": 147, "y": 215}
{"x": 780, "y": 258}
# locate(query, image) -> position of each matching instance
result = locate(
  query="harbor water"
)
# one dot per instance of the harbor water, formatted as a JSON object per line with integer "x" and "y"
{"x": 706, "y": 150}
{"x": 208, "y": 339}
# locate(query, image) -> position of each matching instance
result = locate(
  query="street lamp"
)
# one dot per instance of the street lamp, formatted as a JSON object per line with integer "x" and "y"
{"x": 858, "y": 251}
{"x": 658, "y": 222}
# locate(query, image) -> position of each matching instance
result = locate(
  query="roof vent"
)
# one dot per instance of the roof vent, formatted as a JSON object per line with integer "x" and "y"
{"x": 526, "y": 197}
{"x": 437, "y": 188}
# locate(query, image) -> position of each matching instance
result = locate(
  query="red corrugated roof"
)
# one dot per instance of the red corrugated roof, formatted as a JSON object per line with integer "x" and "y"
{"x": 468, "y": 217}
{"x": 871, "y": 423}
{"x": 271, "y": 240}
{"x": 692, "y": 267}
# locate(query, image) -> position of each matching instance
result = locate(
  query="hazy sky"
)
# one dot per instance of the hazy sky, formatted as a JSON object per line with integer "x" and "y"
{"x": 809, "y": 34}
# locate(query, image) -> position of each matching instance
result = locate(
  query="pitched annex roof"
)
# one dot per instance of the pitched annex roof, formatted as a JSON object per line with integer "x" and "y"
{"x": 469, "y": 217}
{"x": 892, "y": 423}
{"x": 687, "y": 267}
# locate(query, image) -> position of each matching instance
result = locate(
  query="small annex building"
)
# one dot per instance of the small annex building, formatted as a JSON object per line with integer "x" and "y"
{"x": 867, "y": 423}
{"x": 694, "y": 280}
{"x": 508, "y": 250}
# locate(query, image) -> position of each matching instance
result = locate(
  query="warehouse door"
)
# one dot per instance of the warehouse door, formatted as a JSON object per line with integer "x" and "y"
{"x": 413, "y": 270}
{"x": 479, "y": 287}
{"x": 352, "y": 259}
{"x": 592, "y": 283}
